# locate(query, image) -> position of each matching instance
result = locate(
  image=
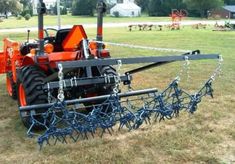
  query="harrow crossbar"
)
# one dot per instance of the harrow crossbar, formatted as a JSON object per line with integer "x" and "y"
{"x": 90, "y": 99}
{"x": 136, "y": 60}
{"x": 88, "y": 81}
{"x": 157, "y": 64}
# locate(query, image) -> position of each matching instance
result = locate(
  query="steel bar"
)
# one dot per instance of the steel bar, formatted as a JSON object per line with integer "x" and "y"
{"x": 146, "y": 67}
{"x": 90, "y": 99}
{"x": 136, "y": 60}
{"x": 87, "y": 81}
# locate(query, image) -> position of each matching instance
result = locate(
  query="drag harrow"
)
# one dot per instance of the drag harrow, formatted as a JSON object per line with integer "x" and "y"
{"x": 63, "y": 122}
{"x": 68, "y": 87}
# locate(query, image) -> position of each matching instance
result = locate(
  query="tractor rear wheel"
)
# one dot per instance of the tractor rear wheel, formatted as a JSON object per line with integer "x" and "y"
{"x": 102, "y": 89}
{"x": 11, "y": 86}
{"x": 30, "y": 92}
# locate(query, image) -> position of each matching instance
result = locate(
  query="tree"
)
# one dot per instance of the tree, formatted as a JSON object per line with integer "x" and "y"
{"x": 66, "y": 3}
{"x": 26, "y": 4}
{"x": 203, "y": 6}
{"x": 229, "y": 2}
{"x": 63, "y": 10}
{"x": 27, "y": 7}
{"x": 164, "y": 7}
{"x": 143, "y": 4}
{"x": 155, "y": 7}
{"x": 83, "y": 7}
{"x": 13, "y": 6}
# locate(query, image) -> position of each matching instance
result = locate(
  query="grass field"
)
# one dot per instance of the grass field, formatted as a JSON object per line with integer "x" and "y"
{"x": 206, "y": 137}
{"x": 12, "y": 22}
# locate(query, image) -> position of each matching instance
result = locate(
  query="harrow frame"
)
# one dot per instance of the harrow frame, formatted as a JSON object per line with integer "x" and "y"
{"x": 126, "y": 78}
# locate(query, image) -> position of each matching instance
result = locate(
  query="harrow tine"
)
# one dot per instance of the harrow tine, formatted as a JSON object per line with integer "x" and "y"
{"x": 71, "y": 125}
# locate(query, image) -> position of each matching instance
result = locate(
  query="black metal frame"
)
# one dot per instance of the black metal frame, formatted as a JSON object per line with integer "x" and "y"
{"x": 126, "y": 78}
{"x": 136, "y": 60}
{"x": 77, "y": 82}
{"x": 90, "y": 99}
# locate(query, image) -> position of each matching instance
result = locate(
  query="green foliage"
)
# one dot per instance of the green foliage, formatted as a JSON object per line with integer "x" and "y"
{"x": 27, "y": 7}
{"x": 19, "y": 17}
{"x": 26, "y": 4}
{"x": 13, "y": 6}
{"x": 27, "y": 16}
{"x": 163, "y": 8}
{"x": 155, "y": 8}
{"x": 116, "y": 14}
{"x": 202, "y": 6}
{"x": 229, "y": 2}
{"x": 63, "y": 10}
{"x": 83, "y": 7}
{"x": 25, "y": 12}
{"x": 66, "y": 3}
{"x": 143, "y": 4}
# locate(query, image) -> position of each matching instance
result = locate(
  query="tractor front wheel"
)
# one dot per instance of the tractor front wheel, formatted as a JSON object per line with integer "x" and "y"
{"x": 30, "y": 92}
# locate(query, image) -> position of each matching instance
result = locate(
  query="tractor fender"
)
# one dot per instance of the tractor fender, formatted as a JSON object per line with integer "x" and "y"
{"x": 28, "y": 60}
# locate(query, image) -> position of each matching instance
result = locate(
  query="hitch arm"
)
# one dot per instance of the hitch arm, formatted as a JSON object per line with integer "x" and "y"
{"x": 149, "y": 66}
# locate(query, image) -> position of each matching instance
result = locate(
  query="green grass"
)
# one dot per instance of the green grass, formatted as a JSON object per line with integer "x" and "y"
{"x": 206, "y": 137}
{"x": 12, "y": 22}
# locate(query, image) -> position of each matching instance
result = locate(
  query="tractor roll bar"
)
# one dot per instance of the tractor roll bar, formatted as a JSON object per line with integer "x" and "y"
{"x": 41, "y": 10}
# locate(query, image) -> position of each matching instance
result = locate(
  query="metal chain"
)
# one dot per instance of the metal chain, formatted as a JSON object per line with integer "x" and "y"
{"x": 117, "y": 78}
{"x": 61, "y": 86}
{"x": 218, "y": 69}
{"x": 185, "y": 69}
{"x": 49, "y": 96}
{"x": 145, "y": 47}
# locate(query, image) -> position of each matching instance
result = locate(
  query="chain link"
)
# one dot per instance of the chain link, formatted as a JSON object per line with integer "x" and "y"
{"x": 61, "y": 86}
{"x": 49, "y": 96}
{"x": 218, "y": 69}
{"x": 185, "y": 69}
{"x": 145, "y": 47}
{"x": 117, "y": 78}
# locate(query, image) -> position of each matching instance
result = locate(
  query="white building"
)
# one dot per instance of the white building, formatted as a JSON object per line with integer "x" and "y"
{"x": 126, "y": 9}
{"x": 49, "y": 4}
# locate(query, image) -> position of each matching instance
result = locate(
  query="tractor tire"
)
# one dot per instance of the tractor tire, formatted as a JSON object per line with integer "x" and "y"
{"x": 30, "y": 92}
{"x": 108, "y": 71}
{"x": 103, "y": 89}
{"x": 11, "y": 86}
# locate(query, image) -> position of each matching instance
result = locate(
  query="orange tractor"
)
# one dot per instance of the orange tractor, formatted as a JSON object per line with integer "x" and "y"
{"x": 30, "y": 65}
{"x": 47, "y": 76}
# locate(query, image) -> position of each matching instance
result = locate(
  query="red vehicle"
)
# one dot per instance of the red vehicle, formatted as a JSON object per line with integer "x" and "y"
{"x": 28, "y": 66}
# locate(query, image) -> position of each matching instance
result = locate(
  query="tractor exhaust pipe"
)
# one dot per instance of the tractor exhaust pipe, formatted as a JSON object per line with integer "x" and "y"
{"x": 101, "y": 9}
{"x": 41, "y": 10}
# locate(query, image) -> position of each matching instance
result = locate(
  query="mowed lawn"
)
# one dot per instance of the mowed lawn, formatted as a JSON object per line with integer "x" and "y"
{"x": 208, "y": 136}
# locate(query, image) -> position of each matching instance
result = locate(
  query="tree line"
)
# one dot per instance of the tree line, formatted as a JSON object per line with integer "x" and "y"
{"x": 195, "y": 8}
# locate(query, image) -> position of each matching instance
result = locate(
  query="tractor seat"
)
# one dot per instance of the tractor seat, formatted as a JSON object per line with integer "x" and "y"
{"x": 26, "y": 47}
{"x": 59, "y": 38}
